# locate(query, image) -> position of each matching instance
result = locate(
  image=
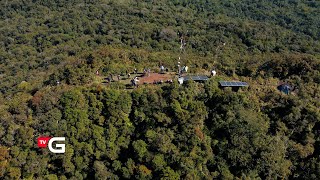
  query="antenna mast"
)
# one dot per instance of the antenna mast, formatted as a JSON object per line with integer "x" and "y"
{"x": 183, "y": 44}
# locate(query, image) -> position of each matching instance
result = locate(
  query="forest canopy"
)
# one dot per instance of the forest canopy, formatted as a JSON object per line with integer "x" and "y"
{"x": 51, "y": 51}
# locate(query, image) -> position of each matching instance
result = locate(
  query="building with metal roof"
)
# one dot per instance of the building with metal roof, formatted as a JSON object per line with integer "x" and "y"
{"x": 285, "y": 88}
{"x": 197, "y": 78}
{"x": 235, "y": 85}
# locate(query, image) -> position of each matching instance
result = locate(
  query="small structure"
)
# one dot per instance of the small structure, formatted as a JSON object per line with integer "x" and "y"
{"x": 235, "y": 85}
{"x": 285, "y": 88}
{"x": 197, "y": 78}
{"x": 134, "y": 82}
{"x": 180, "y": 80}
{"x": 179, "y": 67}
{"x": 213, "y": 73}
{"x": 108, "y": 79}
{"x": 161, "y": 69}
{"x": 170, "y": 81}
{"x": 158, "y": 82}
{"x": 184, "y": 69}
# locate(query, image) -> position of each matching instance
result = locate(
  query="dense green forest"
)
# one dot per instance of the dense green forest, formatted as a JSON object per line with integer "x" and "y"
{"x": 170, "y": 131}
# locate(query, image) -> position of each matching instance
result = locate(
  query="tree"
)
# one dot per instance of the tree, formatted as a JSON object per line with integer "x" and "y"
{"x": 140, "y": 148}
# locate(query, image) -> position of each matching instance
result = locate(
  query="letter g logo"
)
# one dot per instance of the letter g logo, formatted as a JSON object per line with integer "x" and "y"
{"x": 60, "y": 148}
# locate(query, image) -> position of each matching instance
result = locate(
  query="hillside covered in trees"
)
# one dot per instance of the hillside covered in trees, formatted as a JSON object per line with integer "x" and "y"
{"x": 50, "y": 52}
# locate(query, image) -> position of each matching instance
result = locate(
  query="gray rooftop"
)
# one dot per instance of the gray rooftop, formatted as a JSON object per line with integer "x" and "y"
{"x": 233, "y": 84}
{"x": 196, "y": 78}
